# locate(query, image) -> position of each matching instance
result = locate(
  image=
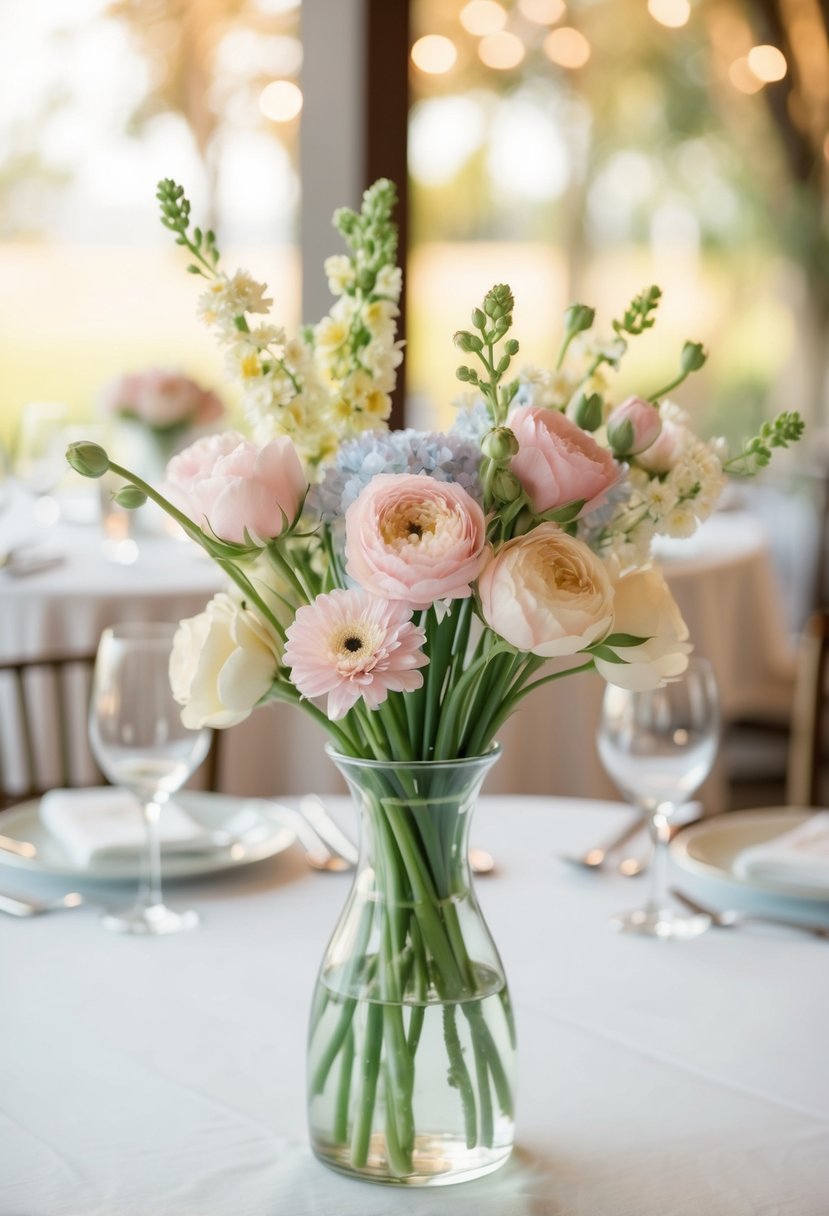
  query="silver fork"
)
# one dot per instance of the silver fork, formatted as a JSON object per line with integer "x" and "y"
{"x": 16, "y": 906}
{"x": 731, "y": 918}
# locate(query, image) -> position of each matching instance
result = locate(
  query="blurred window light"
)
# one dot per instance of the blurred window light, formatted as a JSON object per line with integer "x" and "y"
{"x": 543, "y": 12}
{"x": 443, "y": 134}
{"x": 276, "y": 6}
{"x": 567, "y": 47}
{"x": 742, "y": 77}
{"x": 243, "y": 52}
{"x": 672, "y": 13}
{"x": 768, "y": 63}
{"x": 527, "y": 151}
{"x": 434, "y": 54}
{"x": 281, "y": 100}
{"x": 674, "y": 227}
{"x": 501, "y": 51}
{"x": 483, "y": 17}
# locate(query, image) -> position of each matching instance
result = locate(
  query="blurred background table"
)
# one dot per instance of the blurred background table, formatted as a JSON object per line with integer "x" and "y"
{"x": 723, "y": 579}
{"x": 166, "y": 1076}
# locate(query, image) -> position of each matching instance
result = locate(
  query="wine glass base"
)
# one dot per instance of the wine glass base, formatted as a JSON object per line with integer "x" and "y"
{"x": 661, "y": 922}
{"x": 150, "y": 921}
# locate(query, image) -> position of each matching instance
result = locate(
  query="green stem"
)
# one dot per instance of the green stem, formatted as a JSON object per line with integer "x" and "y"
{"x": 369, "y": 1072}
{"x": 459, "y": 1073}
{"x": 344, "y": 1088}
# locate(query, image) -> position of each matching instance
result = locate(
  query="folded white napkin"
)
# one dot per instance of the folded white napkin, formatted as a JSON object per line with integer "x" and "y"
{"x": 106, "y": 822}
{"x": 799, "y": 857}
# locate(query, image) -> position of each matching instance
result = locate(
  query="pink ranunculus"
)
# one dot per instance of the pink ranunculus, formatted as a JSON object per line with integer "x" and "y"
{"x": 232, "y": 486}
{"x": 161, "y": 399}
{"x": 349, "y": 644}
{"x": 414, "y": 539}
{"x": 636, "y": 423}
{"x": 547, "y": 593}
{"x": 557, "y": 462}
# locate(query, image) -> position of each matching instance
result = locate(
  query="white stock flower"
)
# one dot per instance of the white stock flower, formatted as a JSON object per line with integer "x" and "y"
{"x": 644, "y": 607}
{"x": 340, "y": 273}
{"x": 223, "y": 662}
{"x": 389, "y": 282}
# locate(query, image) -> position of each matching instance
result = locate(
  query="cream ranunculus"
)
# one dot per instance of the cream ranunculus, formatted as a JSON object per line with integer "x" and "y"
{"x": 645, "y": 608}
{"x": 547, "y": 593}
{"x": 223, "y": 662}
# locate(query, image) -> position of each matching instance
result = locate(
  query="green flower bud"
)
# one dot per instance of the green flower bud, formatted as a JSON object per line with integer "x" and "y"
{"x": 578, "y": 317}
{"x": 478, "y": 318}
{"x": 693, "y": 357}
{"x": 130, "y": 498}
{"x": 506, "y": 487}
{"x": 468, "y": 342}
{"x": 366, "y": 280}
{"x": 499, "y": 444}
{"x": 589, "y": 412}
{"x": 620, "y": 436}
{"x": 499, "y": 301}
{"x": 88, "y": 459}
{"x": 511, "y": 347}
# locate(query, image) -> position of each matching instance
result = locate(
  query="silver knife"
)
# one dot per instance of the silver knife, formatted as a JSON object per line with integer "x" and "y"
{"x": 21, "y": 848}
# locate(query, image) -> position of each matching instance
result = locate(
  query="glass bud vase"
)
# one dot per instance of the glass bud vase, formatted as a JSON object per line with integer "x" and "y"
{"x": 411, "y": 1065}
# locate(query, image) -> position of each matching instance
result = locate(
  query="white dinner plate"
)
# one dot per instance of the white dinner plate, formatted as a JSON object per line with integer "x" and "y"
{"x": 709, "y": 847}
{"x": 266, "y": 834}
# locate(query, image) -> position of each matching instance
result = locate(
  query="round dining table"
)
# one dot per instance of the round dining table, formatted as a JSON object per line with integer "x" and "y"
{"x": 166, "y": 1076}
{"x": 723, "y": 579}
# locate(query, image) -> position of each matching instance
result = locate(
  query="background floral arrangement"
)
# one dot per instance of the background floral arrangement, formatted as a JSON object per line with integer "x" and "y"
{"x": 164, "y": 401}
{"x": 408, "y": 590}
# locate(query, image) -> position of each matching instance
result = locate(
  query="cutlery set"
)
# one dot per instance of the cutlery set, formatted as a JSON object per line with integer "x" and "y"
{"x": 328, "y": 848}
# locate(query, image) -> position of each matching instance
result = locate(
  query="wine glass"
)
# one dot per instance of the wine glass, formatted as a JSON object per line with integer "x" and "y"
{"x": 658, "y": 747}
{"x": 141, "y": 744}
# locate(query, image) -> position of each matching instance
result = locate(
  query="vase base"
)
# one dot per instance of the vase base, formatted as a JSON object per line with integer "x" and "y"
{"x": 436, "y": 1161}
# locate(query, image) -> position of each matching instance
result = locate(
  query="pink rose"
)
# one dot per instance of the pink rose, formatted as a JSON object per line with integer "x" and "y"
{"x": 633, "y": 426}
{"x": 664, "y": 453}
{"x": 557, "y": 462}
{"x": 161, "y": 399}
{"x": 231, "y": 486}
{"x": 547, "y": 593}
{"x": 411, "y": 538}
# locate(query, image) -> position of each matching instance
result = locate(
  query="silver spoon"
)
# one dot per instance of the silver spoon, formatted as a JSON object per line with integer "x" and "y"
{"x": 16, "y": 906}
{"x": 594, "y": 859}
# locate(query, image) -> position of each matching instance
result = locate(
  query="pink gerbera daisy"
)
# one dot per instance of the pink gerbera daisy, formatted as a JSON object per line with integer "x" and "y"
{"x": 349, "y": 644}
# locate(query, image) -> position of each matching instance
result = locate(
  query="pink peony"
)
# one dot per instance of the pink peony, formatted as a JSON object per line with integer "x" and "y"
{"x": 547, "y": 593}
{"x": 231, "y": 486}
{"x": 349, "y": 644}
{"x": 161, "y": 399}
{"x": 557, "y": 462}
{"x": 633, "y": 426}
{"x": 411, "y": 538}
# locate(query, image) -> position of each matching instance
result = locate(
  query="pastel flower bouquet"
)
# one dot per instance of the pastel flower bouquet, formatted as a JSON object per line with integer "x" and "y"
{"x": 408, "y": 590}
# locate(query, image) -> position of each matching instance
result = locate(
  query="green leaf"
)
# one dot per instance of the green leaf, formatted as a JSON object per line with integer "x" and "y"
{"x": 623, "y": 639}
{"x": 604, "y": 652}
{"x": 564, "y": 515}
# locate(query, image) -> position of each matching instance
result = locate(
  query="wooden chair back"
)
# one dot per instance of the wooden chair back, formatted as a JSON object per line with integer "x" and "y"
{"x": 806, "y": 750}
{"x": 44, "y": 740}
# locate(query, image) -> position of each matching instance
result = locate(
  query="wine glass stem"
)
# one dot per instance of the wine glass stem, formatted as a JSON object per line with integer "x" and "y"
{"x": 659, "y": 829}
{"x": 150, "y": 893}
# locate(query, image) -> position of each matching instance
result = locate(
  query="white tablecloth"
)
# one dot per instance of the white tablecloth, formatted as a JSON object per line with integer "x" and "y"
{"x": 723, "y": 580}
{"x": 166, "y": 1077}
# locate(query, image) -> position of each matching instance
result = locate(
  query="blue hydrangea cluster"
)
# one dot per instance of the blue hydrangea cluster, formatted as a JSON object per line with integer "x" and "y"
{"x": 472, "y": 422}
{"x": 450, "y": 457}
